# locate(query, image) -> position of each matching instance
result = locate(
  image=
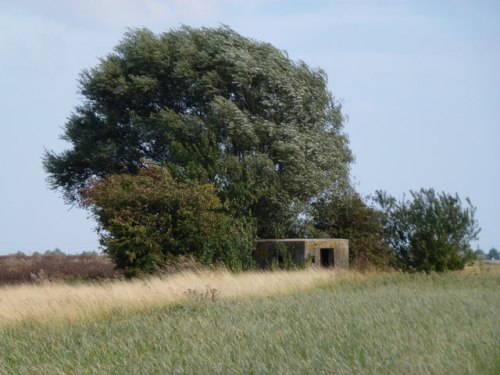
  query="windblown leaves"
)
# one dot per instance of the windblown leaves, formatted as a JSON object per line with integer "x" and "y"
{"x": 213, "y": 106}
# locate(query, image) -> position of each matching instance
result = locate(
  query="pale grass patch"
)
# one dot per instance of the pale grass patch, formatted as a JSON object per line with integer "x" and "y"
{"x": 57, "y": 302}
{"x": 482, "y": 267}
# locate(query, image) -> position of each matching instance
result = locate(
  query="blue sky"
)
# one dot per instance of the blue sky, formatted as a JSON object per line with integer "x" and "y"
{"x": 419, "y": 81}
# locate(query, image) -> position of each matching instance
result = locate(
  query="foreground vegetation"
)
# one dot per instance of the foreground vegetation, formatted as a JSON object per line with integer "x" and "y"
{"x": 52, "y": 303}
{"x": 350, "y": 323}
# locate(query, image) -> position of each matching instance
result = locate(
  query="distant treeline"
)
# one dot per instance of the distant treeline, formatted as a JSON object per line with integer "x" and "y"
{"x": 55, "y": 252}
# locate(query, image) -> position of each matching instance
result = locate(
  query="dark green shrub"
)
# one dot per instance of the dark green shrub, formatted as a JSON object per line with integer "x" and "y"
{"x": 149, "y": 219}
{"x": 430, "y": 232}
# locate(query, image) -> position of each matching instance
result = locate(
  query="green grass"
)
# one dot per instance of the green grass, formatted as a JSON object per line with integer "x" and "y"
{"x": 387, "y": 324}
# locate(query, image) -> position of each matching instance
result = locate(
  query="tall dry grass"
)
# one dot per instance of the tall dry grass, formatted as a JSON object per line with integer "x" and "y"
{"x": 480, "y": 267}
{"x": 384, "y": 324}
{"x": 57, "y": 302}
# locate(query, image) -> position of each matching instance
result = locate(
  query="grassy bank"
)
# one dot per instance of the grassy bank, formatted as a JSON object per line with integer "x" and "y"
{"x": 417, "y": 324}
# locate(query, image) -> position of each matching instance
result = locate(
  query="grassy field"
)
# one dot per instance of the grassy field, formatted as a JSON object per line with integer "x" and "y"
{"x": 301, "y": 322}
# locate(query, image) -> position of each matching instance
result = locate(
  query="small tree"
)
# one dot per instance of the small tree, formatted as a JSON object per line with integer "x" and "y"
{"x": 493, "y": 254}
{"x": 149, "y": 219}
{"x": 430, "y": 232}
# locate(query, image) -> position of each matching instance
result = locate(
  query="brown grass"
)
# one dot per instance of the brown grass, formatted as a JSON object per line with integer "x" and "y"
{"x": 61, "y": 302}
{"x": 482, "y": 266}
{"x": 28, "y": 269}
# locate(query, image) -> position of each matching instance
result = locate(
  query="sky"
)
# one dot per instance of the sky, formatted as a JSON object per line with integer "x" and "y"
{"x": 419, "y": 82}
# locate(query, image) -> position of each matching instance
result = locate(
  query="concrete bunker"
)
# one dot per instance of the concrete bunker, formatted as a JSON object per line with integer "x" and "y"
{"x": 317, "y": 252}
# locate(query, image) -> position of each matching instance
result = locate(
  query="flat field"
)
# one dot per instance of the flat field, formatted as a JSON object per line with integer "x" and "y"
{"x": 303, "y": 322}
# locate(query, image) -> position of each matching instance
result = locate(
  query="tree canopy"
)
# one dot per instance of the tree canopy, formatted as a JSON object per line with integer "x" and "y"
{"x": 212, "y": 106}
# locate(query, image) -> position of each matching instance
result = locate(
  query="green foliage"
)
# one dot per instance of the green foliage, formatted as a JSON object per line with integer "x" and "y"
{"x": 399, "y": 324}
{"x": 493, "y": 254}
{"x": 89, "y": 253}
{"x": 212, "y": 106}
{"x": 347, "y": 216}
{"x": 149, "y": 219}
{"x": 430, "y": 232}
{"x": 55, "y": 252}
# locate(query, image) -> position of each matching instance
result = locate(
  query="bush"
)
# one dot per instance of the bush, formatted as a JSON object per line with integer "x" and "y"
{"x": 148, "y": 220}
{"x": 430, "y": 232}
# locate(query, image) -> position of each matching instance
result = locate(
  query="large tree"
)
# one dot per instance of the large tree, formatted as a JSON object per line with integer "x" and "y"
{"x": 213, "y": 106}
